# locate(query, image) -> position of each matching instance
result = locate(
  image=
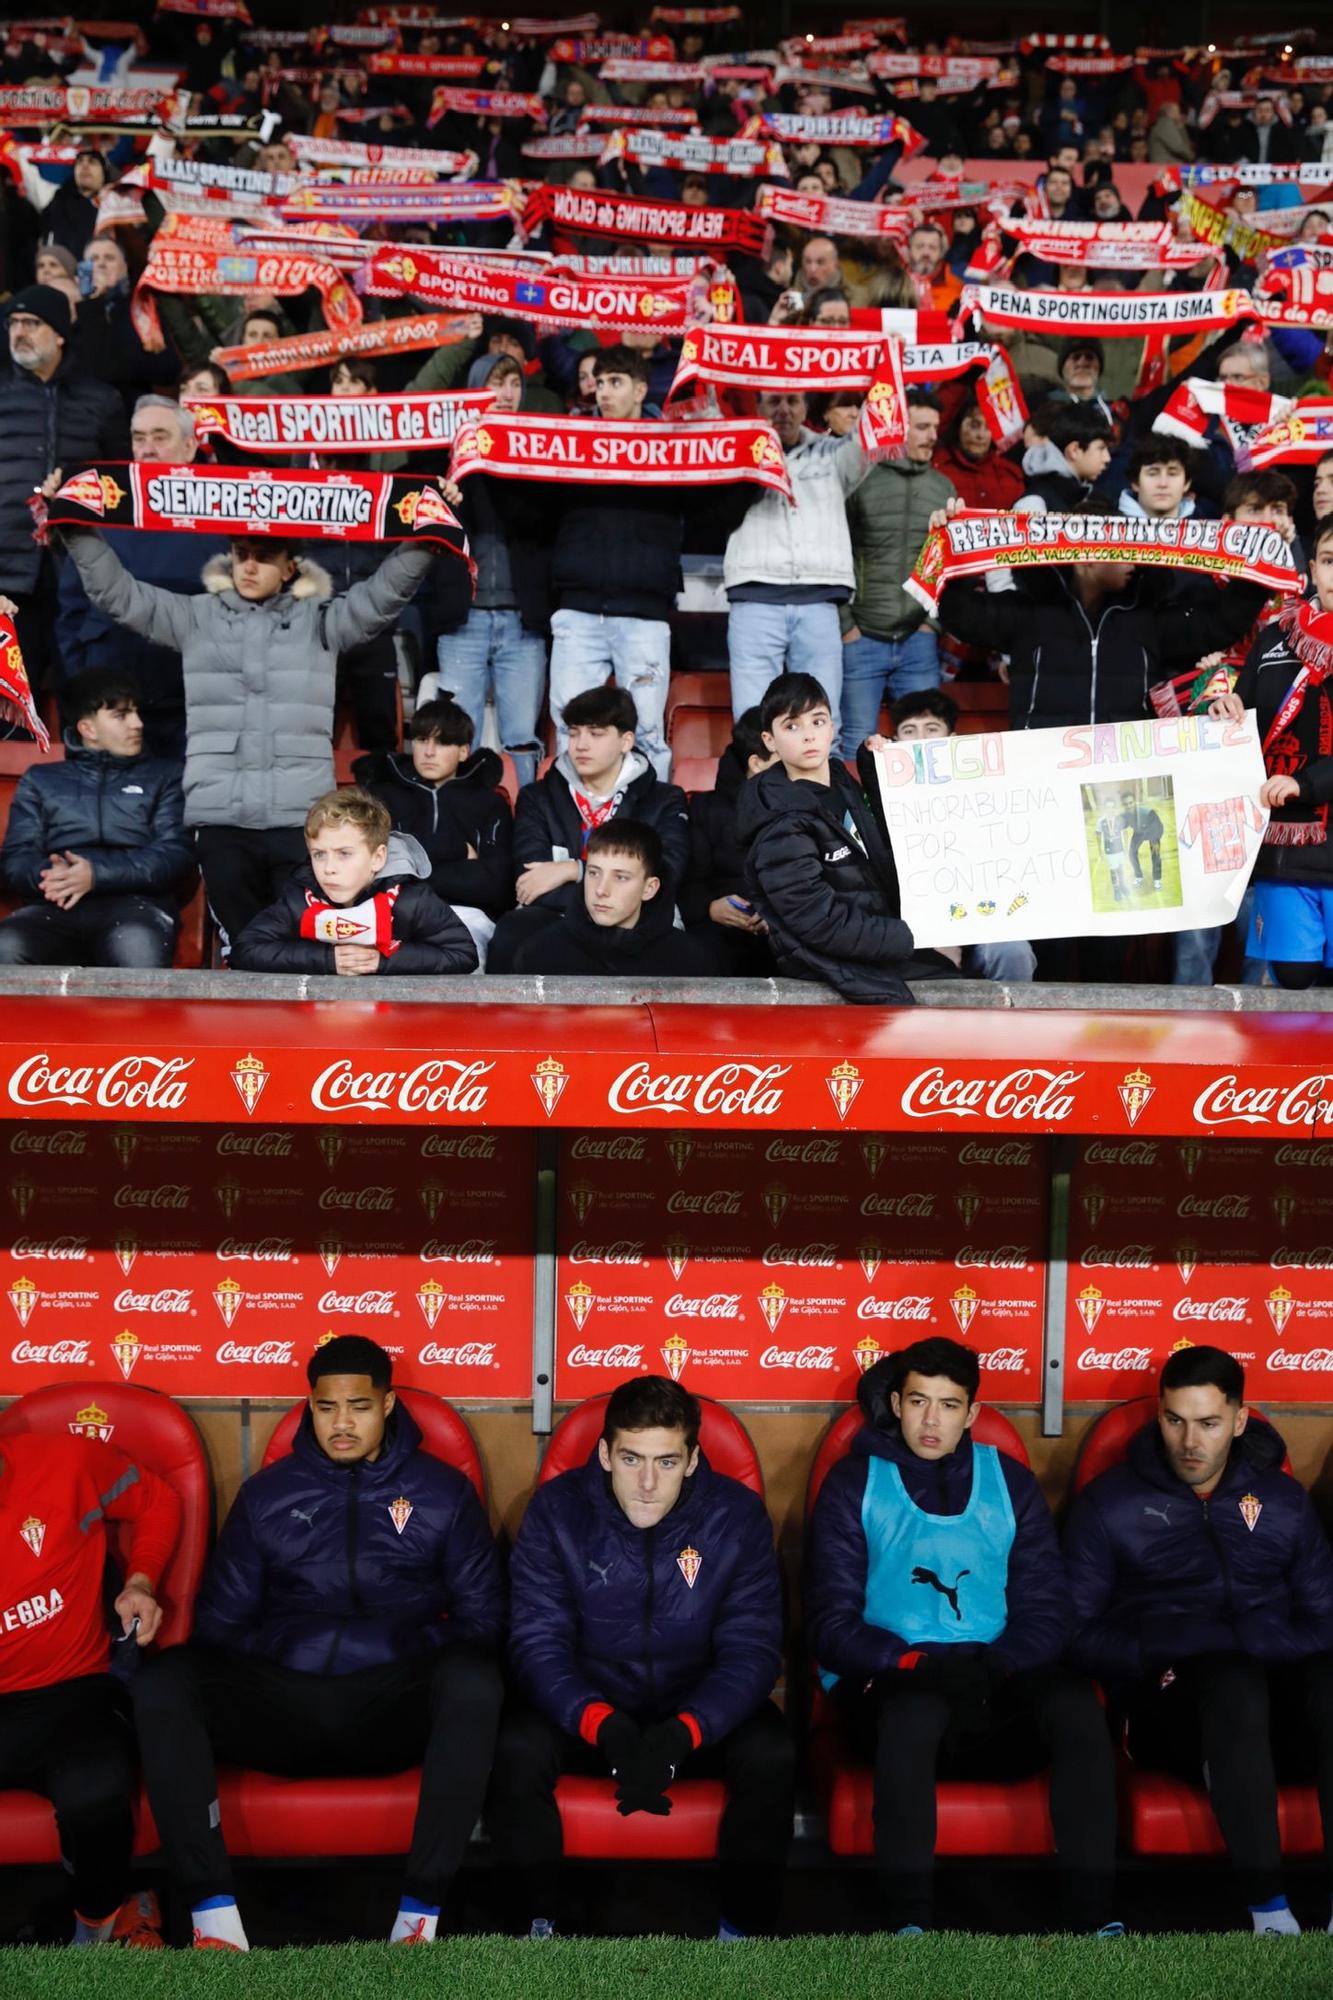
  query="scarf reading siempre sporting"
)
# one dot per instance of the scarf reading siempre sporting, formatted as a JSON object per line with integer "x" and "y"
{"x": 598, "y": 214}
{"x": 210, "y": 500}
{"x": 622, "y": 454}
{"x": 313, "y": 350}
{"x": 337, "y": 423}
{"x": 975, "y": 540}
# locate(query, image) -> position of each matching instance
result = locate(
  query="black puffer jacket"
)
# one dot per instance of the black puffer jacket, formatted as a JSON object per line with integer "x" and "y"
{"x": 466, "y": 811}
{"x": 1069, "y": 666}
{"x": 717, "y": 857}
{"x": 616, "y": 549}
{"x": 124, "y": 815}
{"x": 428, "y": 935}
{"x": 547, "y": 826}
{"x": 578, "y": 947}
{"x": 830, "y": 894}
{"x": 64, "y": 422}
{"x": 1303, "y": 751}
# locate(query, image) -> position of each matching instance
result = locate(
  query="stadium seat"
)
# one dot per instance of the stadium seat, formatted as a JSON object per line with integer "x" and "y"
{"x": 982, "y": 706}
{"x": 696, "y": 691}
{"x": 973, "y": 1817}
{"x": 694, "y": 774}
{"x": 347, "y": 745}
{"x": 593, "y": 1829}
{"x": 17, "y": 756}
{"x": 700, "y": 732}
{"x": 150, "y": 1428}
{"x": 266, "y": 1817}
{"x": 509, "y": 778}
{"x": 1160, "y": 1814}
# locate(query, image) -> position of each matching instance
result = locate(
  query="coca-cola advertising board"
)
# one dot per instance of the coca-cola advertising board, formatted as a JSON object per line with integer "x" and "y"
{"x": 211, "y": 1260}
{"x": 776, "y": 1269}
{"x": 1222, "y": 1242}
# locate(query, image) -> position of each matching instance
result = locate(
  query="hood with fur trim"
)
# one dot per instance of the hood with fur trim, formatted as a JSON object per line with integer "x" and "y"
{"x": 311, "y": 579}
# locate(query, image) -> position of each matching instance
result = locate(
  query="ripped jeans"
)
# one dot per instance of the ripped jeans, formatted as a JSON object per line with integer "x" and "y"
{"x": 588, "y": 649}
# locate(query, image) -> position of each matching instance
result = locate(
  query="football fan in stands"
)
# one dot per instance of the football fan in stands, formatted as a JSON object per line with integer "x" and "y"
{"x": 979, "y": 473}
{"x": 938, "y": 1612}
{"x": 645, "y": 1638}
{"x": 1160, "y": 483}
{"x": 714, "y": 901}
{"x": 65, "y": 1728}
{"x": 364, "y": 906}
{"x": 349, "y": 1623}
{"x": 1203, "y": 1594}
{"x": 624, "y": 925}
{"x": 1072, "y": 453}
{"x": 96, "y": 847}
{"x": 446, "y": 796}
{"x": 601, "y": 775}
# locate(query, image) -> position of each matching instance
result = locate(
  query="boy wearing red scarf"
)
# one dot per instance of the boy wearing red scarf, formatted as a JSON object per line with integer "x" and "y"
{"x": 1288, "y": 680}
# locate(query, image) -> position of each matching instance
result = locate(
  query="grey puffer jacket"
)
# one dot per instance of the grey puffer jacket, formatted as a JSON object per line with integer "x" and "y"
{"x": 259, "y": 678}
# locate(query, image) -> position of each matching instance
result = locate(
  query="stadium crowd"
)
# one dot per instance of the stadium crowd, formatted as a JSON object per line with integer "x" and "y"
{"x": 1024, "y": 277}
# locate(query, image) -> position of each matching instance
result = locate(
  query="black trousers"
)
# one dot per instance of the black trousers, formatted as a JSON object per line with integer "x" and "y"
{"x": 245, "y": 869}
{"x": 368, "y": 677}
{"x": 73, "y": 1743}
{"x": 1242, "y": 1727}
{"x": 514, "y": 930}
{"x": 757, "y": 1763}
{"x": 440, "y": 1711}
{"x": 131, "y": 932}
{"x": 913, "y": 1734}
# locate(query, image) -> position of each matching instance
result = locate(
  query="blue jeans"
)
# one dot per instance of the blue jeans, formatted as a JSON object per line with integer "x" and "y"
{"x": 765, "y": 640}
{"x": 1196, "y": 951}
{"x": 870, "y": 665}
{"x": 587, "y": 649}
{"x": 493, "y": 654}
{"x": 1011, "y": 963}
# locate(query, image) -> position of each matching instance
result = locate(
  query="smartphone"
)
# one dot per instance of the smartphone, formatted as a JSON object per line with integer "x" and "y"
{"x": 84, "y": 274}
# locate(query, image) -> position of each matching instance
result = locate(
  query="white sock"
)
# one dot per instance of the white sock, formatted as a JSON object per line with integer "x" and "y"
{"x": 218, "y": 1917}
{"x": 1275, "y": 1919}
{"x": 416, "y": 1923}
{"x": 94, "y": 1933}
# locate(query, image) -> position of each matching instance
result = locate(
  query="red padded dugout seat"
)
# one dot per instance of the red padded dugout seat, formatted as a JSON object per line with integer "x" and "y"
{"x": 265, "y": 1816}
{"x": 972, "y": 1817}
{"x": 1160, "y": 1814}
{"x": 149, "y": 1428}
{"x": 593, "y": 1830}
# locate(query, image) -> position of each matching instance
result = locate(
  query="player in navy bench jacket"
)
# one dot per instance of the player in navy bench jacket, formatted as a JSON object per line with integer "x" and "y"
{"x": 350, "y": 1623}
{"x": 646, "y": 1635}
{"x": 938, "y": 1612}
{"x": 1203, "y": 1592}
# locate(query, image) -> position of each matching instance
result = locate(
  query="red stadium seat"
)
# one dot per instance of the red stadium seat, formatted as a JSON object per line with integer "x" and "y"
{"x": 148, "y": 1427}
{"x": 509, "y": 778}
{"x": 973, "y": 1817}
{"x": 700, "y": 732}
{"x": 593, "y": 1829}
{"x": 18, "y": 757}
{"x": 694, "y": 774}
{"x": 264, "y": 1816}
{"x": 696, "y": 691}
{"x": 1161, "y": 1814}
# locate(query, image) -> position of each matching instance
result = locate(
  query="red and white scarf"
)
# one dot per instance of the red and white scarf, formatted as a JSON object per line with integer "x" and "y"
{"x": 353, "y": 153}
{"x": 1126, "y": 246}
{"x": 1106, "y": 313}
{"x": 453, "y": 279}
{"x": 833, "y": 215}
{"x": 836, "y": 128}
{"x": 1300, "y": 437}
{"x": 365, "y": 923}
{"x": 231, "y": 274}
{"x": 1309, "y": 632}
{"x": 601, "y": 453}
{"x": 693, "y": 153}
{"x": 595, "y": 213}
{"x": 338, "y": 423}
{"x": 485, "y": 104}
{"x": 16, "y": 702}
{"x": 443, "y": 203}
{"x": 1245, "y": 414}
{"x": 408, "y": 335}
{"x": 748, "y": 357}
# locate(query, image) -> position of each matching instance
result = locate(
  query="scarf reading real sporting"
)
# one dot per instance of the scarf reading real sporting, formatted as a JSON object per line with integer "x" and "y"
{"x": 622, "y": 454}
{"x": 337, "y": 423}
{"x": 210, "y": 500}
{"x": 769, "y": 358}
{"x": 591, "y": 213}
{"x": 976, "y": 540}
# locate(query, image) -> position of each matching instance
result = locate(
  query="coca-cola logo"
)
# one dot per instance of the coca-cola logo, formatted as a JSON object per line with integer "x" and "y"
{"x": 623, "y": 1251}
{"x": 60, "y": 1140}
{"x": 1126, "y": 1257}
{"x": 1226, "y": 1101}
{"x": 1120, "y": 1153}
{"x": 992, "y": 1257}
{"x": 1303, "y": 1156}
{"x": 898, "y": 1204}
{"x": 604, "y": 1357}
{"x": 372, "y": 1200}
{"x": 1318, "y": 1361}
{"x": 1043, "y": 1096}
{"x": 374, "y": 1301}
{"x": 1229, "y": 1207}
{"x": 731, "y": 1090}
{"x": 458, "y": 1146}
{"x": 801, "y": 1256}
{"x": 264, "y": 1354}
{"x": 1120, "y": 1360}
{"x": 1229, "y": 1310}
{"x": 130, "y": 1083}
{"x": 58, "y": 1354}
{"x": 439, "y": 1085}
{"x": 803, "y": 1152}
{"x": 255, "y": 1145}
{"x": 470, "y": 1354}
{"x": 718, "y": 1201}
{"x": 59, "y": 1249}
{"x": 171, "y": 1299}
{"x": 619, "y": 1146}
{"x": 717, "y": 1305}
{"x": 1287, "y": 1257}
{"x": 169, "y": 1194}
{"x": 1004, "y": 1360}
{"x": 809, "y": 1358}
{"x": 262, "y": 1250}
{"x": 911, "y": 1306}
{"x": 1006, "y": 1153}
{"x": 470, "y": 1250}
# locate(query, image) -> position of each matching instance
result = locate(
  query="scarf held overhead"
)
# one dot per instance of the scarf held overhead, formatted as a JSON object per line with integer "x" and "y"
{"x": 622, "y": 454}
{"x": 311, "y": 350}
{"x": 337, "y": 423}
{"x": 455, "y": 280}
{"x": 592, "y": 213}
